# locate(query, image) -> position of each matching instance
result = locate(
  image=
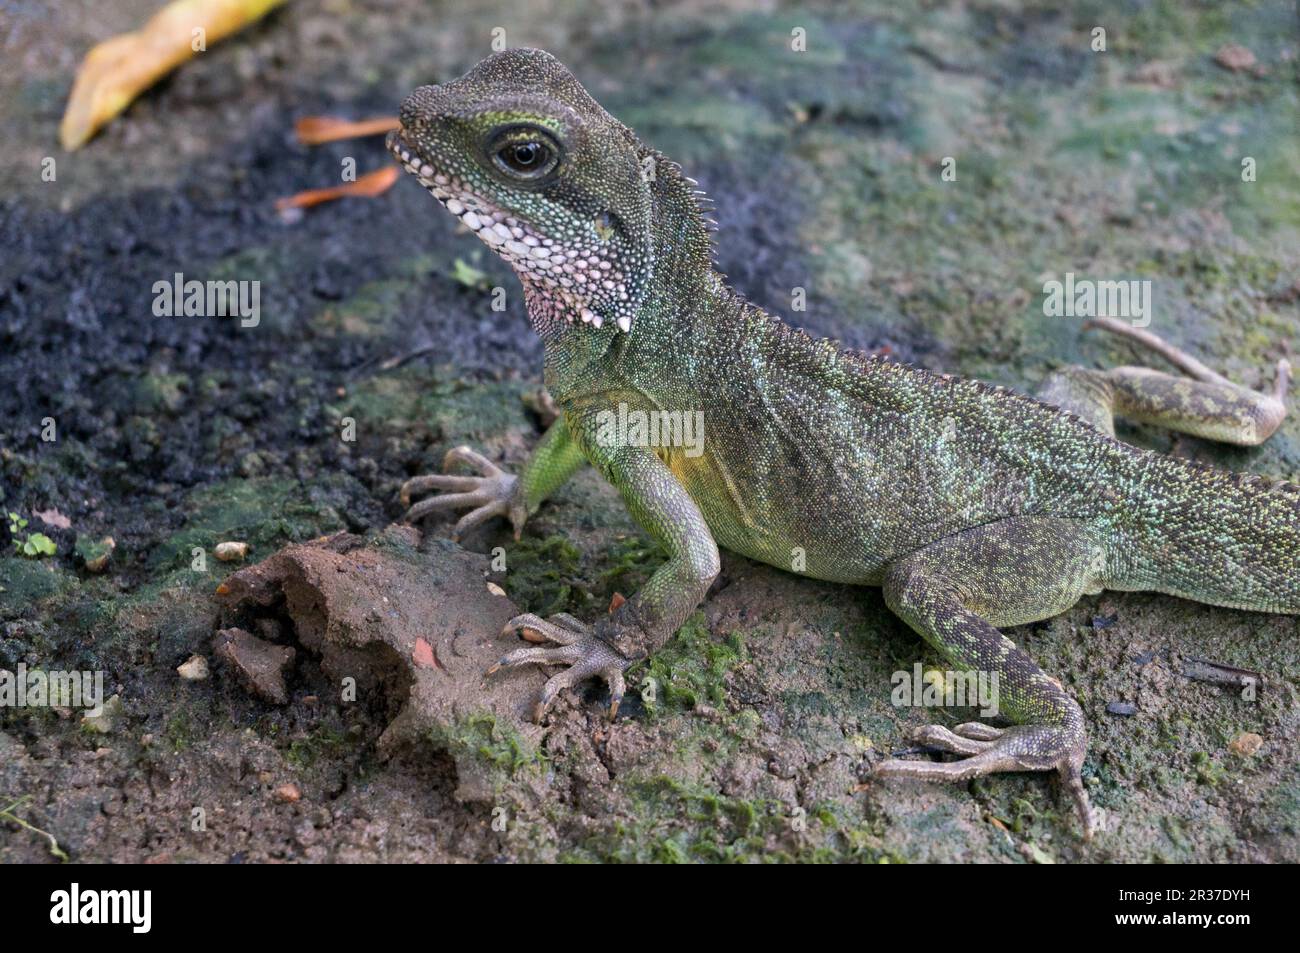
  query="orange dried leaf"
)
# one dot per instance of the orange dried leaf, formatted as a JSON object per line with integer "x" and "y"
{"x": 422, "y": 654}
{"x": 117, "y": 70}
{"x": 368, "y": 186}
{"x": 313, "y": 130}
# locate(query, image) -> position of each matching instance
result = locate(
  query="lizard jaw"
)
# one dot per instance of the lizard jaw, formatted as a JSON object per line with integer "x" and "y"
{"x": 558, "y": 277}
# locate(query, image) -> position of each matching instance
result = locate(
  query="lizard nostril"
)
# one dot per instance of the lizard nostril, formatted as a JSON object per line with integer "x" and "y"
{"x": 422, "y": 104}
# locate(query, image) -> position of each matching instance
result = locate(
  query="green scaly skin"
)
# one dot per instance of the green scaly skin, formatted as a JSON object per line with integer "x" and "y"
{"x": 972, "y": 506}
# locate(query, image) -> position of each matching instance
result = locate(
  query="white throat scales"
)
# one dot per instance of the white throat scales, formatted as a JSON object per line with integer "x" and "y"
{"x": 562, "y": 276}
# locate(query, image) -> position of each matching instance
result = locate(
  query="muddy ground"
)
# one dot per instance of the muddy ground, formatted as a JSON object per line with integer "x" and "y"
{"x": 179, "y": 433}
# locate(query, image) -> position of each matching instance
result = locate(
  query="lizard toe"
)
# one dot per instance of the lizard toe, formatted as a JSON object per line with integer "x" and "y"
{"x": 978, "y": 731}
{"x": 984, "y": 750}
{"x": 944, "y": 739}
{"x": 435, "y": 481}
{"x": 562, "y": 629}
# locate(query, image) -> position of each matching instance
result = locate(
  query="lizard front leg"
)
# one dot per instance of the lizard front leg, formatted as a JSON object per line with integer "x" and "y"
{"x": 496, "y": 492}
{"x": 646, "y": 621}
{"x": 953, "y": 592}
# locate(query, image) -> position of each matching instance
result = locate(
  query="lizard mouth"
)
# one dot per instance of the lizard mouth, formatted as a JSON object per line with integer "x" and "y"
{"x": 534, "y": 256}
{"x": 559, "y": 274}
{"x": 438, "y": 183}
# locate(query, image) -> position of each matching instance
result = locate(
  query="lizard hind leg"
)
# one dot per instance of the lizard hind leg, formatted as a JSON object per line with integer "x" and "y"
{"x": 1203, "y": 403}
{"x": 953, "y": 592}
{"x": 1085, "y": 393}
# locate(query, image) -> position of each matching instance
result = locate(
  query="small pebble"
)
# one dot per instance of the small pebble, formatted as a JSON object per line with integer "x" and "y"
{"x": 231, "y": 552}
{"x": 1246, "y": 744}
{"x": 1233, "y": 56}
{"x": 193, "y": 669}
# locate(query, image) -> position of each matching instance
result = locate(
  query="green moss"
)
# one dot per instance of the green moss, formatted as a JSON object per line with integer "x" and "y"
{"x": 180, "y": 732}
{"x": 672, "y": 821}
{"x": 544, "y": 575}
{"x": 275, "y": 265}
{"x": 26, "y": 582}
{"x": 1208, "y": 771}
{"x": 324, "y": 742}
{"x": 1141, "y": 159}
{"x": 677, "y": 822}
{"x": 482, "y": 739}
{"x": 267, "y": 513}
{"x": 158, "y": 393}
{"x": 417, "y": 402}
{"x": 626, "y": 564}
{"x": 88, "y": 548}
{"x": 1282, "y": 810}
{"x": 469, "y": 276}
{"x": 691, "y": 669}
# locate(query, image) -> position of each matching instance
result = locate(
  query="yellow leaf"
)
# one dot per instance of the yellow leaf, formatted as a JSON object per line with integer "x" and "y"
{"x": 117, "y": 70}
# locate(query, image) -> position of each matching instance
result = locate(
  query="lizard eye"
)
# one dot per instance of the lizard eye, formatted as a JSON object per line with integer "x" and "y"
{"x": 529, "y": 159}
{"x": 524, "y": 153}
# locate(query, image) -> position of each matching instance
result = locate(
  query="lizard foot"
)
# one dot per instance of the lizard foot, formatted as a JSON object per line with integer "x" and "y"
{"x": 574, "y": 644}
{"x": 988, "y": 750}
{"x": 484, "y": 496}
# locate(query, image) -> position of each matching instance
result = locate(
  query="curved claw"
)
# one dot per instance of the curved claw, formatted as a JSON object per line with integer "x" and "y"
{"x": 617, "y": 689}
{"x": 580, "y": 671}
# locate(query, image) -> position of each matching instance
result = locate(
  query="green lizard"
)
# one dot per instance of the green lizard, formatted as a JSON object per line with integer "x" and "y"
{"x": 973, "y": 507}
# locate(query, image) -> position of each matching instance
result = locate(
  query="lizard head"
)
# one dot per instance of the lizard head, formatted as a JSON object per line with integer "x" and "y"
{"x": 528, "y": 161}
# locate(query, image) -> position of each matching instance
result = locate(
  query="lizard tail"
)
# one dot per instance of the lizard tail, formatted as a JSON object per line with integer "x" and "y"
{"x": 1218, "y": 537}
